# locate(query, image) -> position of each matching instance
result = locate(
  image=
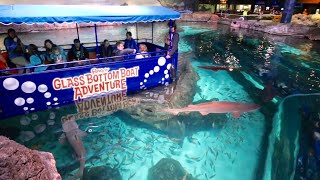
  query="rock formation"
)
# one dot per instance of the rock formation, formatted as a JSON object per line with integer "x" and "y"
{"x": 314, "y": 34}
{"x": 101, "y": 173}
{"x": 168, "y": 168}
{"x": 200, "y": 17}
{"x": 18, "y": 162}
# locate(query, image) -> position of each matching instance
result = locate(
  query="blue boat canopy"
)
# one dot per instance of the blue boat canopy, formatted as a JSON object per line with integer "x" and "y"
{"x": 30, "y": 14}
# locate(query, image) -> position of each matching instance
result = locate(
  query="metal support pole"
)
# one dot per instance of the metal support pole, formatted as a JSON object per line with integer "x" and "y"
{"x": 97, "y": 45}
{"x": 288, "y": 11}
{"x": 170, "y": 34}
{"x": 137, "y": 32}
{"x": 77, "y": 31}
{"x": 152, "y": 32}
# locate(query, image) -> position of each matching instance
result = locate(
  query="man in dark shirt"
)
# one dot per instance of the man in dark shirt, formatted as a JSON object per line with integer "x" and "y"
{"x": 78, "y": 52}
{"x": 130, "y": 43}
{"x": 175, "y": 41}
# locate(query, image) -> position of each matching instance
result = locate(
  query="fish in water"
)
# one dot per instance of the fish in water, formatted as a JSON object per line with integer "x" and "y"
{"x": 223, "y": 68}
{"x": 73, "y": 135}
{"x": 269, "y": 92}
{"x": 235, "y": 108}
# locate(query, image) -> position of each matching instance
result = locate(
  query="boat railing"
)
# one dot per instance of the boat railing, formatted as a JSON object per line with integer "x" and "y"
{"x": 86, "y": 62}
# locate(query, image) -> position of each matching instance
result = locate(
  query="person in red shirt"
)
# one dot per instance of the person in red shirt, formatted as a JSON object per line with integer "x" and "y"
{"x": 4, "y": 65}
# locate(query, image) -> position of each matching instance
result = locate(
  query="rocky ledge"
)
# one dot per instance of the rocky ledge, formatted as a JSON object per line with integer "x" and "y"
{"x": 292, "y": 29}
{"x": 18, "y": 162}
{"x": 200, "y": 17}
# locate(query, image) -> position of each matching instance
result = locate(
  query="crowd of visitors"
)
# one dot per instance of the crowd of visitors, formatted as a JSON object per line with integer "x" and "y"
{"x": 19, "y": 55}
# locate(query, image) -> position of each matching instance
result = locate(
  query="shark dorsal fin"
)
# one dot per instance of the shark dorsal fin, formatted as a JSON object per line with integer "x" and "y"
{"x": 203, "y": 113}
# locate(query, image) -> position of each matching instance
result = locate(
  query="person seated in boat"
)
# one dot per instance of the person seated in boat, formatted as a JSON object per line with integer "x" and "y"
{"x": 16, "y": 49}
{"x": 143, "y": 52}
{"x": 78, "y": 52}
{"x": 120, "y": 51}
{"x": 4, "y": 65}
{"x": 36, "y": 59}
{"x": 59, "y": 57}
{"x": 106, "y": 49}
{"x": 49, "y": 46}
{"x": 175, "y": 41}
{"x": 129, "y": 42}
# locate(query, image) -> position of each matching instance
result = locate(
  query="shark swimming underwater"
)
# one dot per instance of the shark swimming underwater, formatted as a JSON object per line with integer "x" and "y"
{"x": 235, "y": 108}
{"x": 223, "y": 68}
{"x": 73, "y": 135}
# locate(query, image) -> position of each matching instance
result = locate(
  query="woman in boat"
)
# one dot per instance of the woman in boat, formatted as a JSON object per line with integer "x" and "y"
{"x": 49, "y": 46}
{"x": 36, "y": 58}
{"x": 106, "y": 49}
{"x": 143, "y": 52}
{"x": 78, "y": 52}
{"x": 16, "y": 49}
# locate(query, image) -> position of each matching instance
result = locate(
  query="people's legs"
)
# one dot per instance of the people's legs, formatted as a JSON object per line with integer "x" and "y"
{"x": 19, "y": 62}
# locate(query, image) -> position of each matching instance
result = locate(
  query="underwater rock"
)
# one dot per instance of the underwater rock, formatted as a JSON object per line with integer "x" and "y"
{"x": 168, "y": 168}
{"x": 101, "y": 173}
{"x": 26, "y": 136}
{"x": 19, "y": 162}
{"x": 24, "y": 121}
{"x": 34, "y": 117}
{"x": 50, "y": 122}
{"x": 149, "y": 110}
{"x": 314, "y": 34}
{"x": 39, "y": 128}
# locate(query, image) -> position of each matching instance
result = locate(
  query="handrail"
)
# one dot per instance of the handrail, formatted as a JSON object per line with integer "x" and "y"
{"x": 87, "y": 43}
{"x": 110, "y": 59}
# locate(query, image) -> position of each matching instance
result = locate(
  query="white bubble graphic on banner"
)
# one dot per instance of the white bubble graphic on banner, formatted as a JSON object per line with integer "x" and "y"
{"x": 48, "y": 103}
{"x": 169, "y": 66}
{"x": 166, "y": 76}
{"x": 145, "y": 81}
{"x": 11, "y": 84}
{"x": 156, "y": 69}
{"x": 30, "y": 100}
{"x": 47, "y": 95}
{"x": 141, "y": 83}
{"x": 167, "y": 83}
{"x": 55, "y": 99}
{"x": 19, "y": 101}
{"x": 43, "y": 88}
{"x": 25, "y": 108}
{"x": 162, "y": 61}
{"x": 162, "y": 79}
{"x": 146, "y": 75}
{"x": 151, "y": 72}
{"x": 56, "y": 104}
{"x": 28, "y": 87}
{"x": 165, "y": 71}
{"x": 32, "y": 109}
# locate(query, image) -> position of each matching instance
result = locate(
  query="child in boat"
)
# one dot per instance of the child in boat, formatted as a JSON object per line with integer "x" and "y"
{"x": 143, "y": 52}
{"x": 4, "y": 65}
{"x": 58, "y": 57}
{"x": 120, "y": 51}
{"x": 36, "y": 58}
